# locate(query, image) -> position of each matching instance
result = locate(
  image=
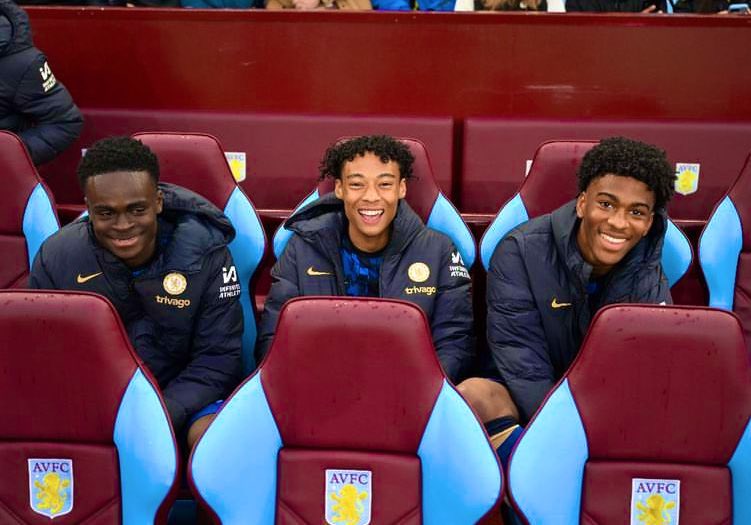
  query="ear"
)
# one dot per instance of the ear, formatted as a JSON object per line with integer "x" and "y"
{"x": 581, "y": 202}
{"x": 338, "y": 191}
{"x": 402, "y": 188}
{"x": 159, "y": 201}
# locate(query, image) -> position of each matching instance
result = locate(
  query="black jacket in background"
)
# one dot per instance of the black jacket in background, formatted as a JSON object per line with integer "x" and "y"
{"x": 613, "y": 6}
{"x": 538, "y": 307}
{"x": 190, "y": 339}
{"x": 33, "y": 104}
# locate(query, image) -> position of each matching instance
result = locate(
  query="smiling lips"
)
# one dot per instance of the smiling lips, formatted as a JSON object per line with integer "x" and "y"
{"x": 612, "y": 243}
{"x": 370, "y": 216}
{"x": 124, "y": 243}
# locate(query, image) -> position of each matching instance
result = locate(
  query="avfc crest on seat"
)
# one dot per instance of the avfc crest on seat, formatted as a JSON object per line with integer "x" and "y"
{"x": 655, "y": 501}
{"x": 51, "y": 486}
{"x": 686, "y": 178}
{"x": 349, "y": 497}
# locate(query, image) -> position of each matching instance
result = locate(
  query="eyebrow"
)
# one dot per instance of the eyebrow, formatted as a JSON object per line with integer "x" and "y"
{"x": 380, "y": 175}
{"x": 613, "y": 197}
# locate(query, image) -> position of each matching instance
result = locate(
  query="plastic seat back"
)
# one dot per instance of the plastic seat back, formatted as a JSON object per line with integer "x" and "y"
{"x": 349, "y": 406}
{"x": 85, "y": 436}
{"x": 27, "y": 212}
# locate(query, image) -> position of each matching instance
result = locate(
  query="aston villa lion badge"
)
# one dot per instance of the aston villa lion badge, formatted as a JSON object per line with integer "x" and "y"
{"x": 349, "y": 495}
{"x": 655, "y": 501}
{"x": 51, "y": 486}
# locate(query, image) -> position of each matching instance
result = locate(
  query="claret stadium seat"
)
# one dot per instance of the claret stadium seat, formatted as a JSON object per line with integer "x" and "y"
{"x": 27, "y": 212}
{"x": 197, "y": 162}
{"x": 649, "y": 425}
{"x": 349, "y": 419}
{"x": 725, "y": 251}
{"x": 423, "y": 195}
{"x": 551, "y": 183}
{"x": 85, "y": 438}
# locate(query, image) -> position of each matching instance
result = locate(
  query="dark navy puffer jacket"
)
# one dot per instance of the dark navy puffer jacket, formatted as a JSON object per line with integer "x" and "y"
{"x": 538, "y": 308}
{"x": 187, "y": 329}
{"x": 33, "y": 104}
{"x": 311, "y": 265}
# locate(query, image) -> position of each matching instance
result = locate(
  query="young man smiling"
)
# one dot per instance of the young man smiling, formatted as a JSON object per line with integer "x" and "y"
{"x": 549, "y": 276}
{"x": 159, "y": 253}
{"x": 364, "y": 240}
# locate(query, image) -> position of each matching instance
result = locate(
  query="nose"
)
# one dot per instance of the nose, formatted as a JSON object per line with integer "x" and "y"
{"x": 371, "y": 193}
{"x": 617, "y": 219}
{"x": 122, "y": 222}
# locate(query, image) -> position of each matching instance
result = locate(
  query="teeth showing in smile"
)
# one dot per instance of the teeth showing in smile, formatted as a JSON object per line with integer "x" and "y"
{"x": 613, "y": 240}
{"x": 124, "y": 242}
{"x": 371, "y": 213}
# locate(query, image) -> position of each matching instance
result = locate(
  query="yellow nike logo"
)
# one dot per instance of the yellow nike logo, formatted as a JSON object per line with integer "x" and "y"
{"x": 313, "y": 272}
{"x": 556, "y": 304}
{"x": 80, "y": 279}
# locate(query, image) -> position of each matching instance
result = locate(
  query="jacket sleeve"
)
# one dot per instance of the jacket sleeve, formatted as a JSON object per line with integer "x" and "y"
{"x": 284, "y": 286}
{"x": 38, "y": 277}
{"x": 57, "y": 122}
{"x": 214, "y": 368}
{"x": 515, "y": 333}
{"x": 452, "y": 324}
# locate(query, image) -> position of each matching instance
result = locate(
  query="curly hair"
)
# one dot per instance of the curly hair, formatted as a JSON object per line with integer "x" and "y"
{"x": 117, "y": 154}
{"x": 630, "y": 158}
{"x": 384, "y": 147}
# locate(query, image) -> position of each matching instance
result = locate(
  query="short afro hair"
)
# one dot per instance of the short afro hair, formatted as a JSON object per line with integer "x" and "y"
{"x": 630, "y": 158}
{"x": 384, "y": 147}
{"x": 117, "y": 154}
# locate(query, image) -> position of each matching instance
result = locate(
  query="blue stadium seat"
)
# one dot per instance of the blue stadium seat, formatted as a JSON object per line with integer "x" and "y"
{"x": 423, "y": 195}
{"x": 551, "y": 182}
{"x": 407, "y": 446}
{"x": 196, "y": 161}
{"x": 27, "y": 212}
{"x": 652, "y": 422}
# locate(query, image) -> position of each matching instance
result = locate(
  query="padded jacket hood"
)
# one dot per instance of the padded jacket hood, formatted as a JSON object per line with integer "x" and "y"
{"x": 15, "y": 30}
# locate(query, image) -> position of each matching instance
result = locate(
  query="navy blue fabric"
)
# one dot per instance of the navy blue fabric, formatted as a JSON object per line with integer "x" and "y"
{"x": 33, "y": 104}
{"x": 361, "y": 270}
{"x": 538, "y": 308}
{"x": 190, "y": 341}
{"x": 312, "y": 265}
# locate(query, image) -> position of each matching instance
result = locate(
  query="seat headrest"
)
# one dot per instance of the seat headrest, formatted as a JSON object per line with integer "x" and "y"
{"x": 19, "y": 180}
{"x": 363, "y": 366}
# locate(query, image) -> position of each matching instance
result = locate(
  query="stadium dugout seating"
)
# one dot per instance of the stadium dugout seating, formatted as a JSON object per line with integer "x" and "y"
{"x": 651, "y": 421}
{"x": 725, "y": 251}
{"x": 85, "y": 437}
{"x": 197, "y": 162}
{"x": 423, "y": 195}
{"x": 28, "y": 213}
{"x": 327, "y": 404}
{"x": 554, "y": 166}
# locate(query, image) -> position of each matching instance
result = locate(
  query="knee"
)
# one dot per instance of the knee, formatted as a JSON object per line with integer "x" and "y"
{"x": 489, "y": 399}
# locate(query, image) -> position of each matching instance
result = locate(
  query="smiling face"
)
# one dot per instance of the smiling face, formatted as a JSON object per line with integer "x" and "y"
{"x": 615, "y": 212}
{"x": 123, "y": 208}
{"x": 370, "y": 190}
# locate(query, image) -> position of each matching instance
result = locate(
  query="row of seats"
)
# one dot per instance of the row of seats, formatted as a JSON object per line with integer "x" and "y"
{"x": 197, "y": 161}
{"x": 652, "y": 419}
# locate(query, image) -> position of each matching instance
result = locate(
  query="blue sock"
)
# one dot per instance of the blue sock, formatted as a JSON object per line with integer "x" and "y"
{"x": 499, "y": 425}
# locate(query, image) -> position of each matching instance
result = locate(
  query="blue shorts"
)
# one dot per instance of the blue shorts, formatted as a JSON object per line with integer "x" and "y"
{"x": 211, "y": 408}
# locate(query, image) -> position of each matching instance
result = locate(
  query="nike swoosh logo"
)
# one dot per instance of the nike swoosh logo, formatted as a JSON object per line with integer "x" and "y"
{"x": 556, "y": 304}
{"x": 313, "y": 272}
{"x": 80, "y": 279}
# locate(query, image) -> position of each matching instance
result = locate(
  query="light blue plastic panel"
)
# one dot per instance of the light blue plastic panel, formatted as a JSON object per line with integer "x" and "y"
{"x": 446, "y": 219}
{"x": 282, "y": 235}
{"x": 39, "y": 221}
{"x": 247, "y": 251}
{"x": 461, "y": 477}
{"x": 719, "y": 248}
{"x": 511, "y": 215}
{"x": 740, "y": 471}
{"x": 676, "y": 254}
{"x": 234, "y": 463}
{"x": 146, "y": 450}
{"x": 546, "y": 469}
